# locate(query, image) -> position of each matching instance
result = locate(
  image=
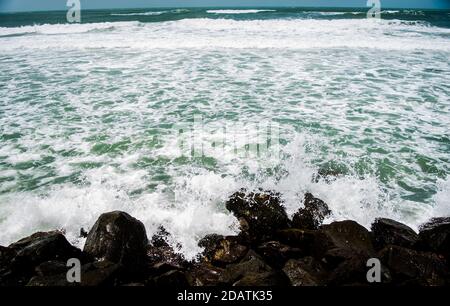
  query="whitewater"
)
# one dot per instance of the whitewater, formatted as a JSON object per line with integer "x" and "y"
{"x": 88, "y": 113}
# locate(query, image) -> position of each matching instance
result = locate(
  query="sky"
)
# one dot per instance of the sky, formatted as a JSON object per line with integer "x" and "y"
{"x": 39, "y": 5}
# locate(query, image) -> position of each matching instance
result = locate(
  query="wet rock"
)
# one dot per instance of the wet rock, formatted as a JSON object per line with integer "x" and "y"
{"x": 312, "y": 215}
{"x": 173, "y": 279}
{"x": 303, "y": 240}
{"x": 14, "y": 271}
{"x": 159, "y": 251}
{"x": 52, "y": 267}
{"x": 276, "y": 254}
{"x": 435, "y": 236}
{"x": 406, "y": 265}
{"x": 390, "y": 232}
{"x": 252, "y": 271}
{"x": 104, "y": 273}
{"x": 220, "y": 250}
{"x": 343, "y": 240}
{"x": 83, "y": 233}
{"x": 305, "y": 272}
{"x": 119, "y": 238}
{"x": 261, "y": 214}
{"x": 204, "y": 274}
{"x": 160, "y": 238}
{"x": 271, "y": 279}
{"x": 44, "y": 246}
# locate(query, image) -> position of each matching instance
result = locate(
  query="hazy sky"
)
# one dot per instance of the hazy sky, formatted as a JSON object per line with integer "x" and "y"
{"x": 33, "y": 5}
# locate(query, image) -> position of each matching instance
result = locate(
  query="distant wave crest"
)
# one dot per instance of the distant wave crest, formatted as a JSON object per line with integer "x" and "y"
{"x": 238, "y": 11}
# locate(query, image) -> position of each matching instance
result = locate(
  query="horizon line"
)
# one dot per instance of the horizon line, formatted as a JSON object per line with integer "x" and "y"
{"x": 229, "y": 7}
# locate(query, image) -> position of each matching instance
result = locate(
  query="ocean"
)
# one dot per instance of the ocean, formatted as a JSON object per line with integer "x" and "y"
{"x": 90, "y": 116}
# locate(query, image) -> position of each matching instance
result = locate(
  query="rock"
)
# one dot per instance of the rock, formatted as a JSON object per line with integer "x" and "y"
{"x": 83, "y": 233}
{"x": 45, "y": 246}
{"x": 252, "y": 271}
{"x": 387, "y": 231}
{"x": 51, "y": 267}
{"x": 220, "y": 250}
{"x": 204, "y": 274}
{"x": 104, "y": 273}
{"x": 435, "y": 236}
{"x": 271, "y": 279}
{"x": 406, "y": 265}
{"x": 14, "y": 271}
{"x": 305, "y": 272}
{"x": 303, "y": 240}
{"x": 159, "y": 251}
{"x": 160, "y": 238}
{"x": 119, "y": 238}
{"x": 174, "y": 279}
{"x": 344, "y": 240}
{"x": 260, "y": 214}
{"x": 312, "y": 215}
{"x": 276, "y": 254}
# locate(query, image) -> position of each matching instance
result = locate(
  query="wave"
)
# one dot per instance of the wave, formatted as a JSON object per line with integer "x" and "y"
{"x": 53, "y": 29}
{"x": 229, "y": 33}
{"x": 141, "y": 14}
{"x": 238, "y": 11}
{"x": 153, "y": 13}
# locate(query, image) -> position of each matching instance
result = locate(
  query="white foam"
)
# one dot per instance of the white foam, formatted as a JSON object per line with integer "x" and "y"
{"x": 213, "y": 33}
{"x": 442, "y": 199}
{"x": 141, "y": 14}
{"x": 238, "y": 11}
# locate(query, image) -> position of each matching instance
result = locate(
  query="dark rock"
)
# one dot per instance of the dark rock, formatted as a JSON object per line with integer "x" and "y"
{"x": 175, "y": 279}
{"x": 160, "y": 238}
{"x": 406, "y": 265}
{"x": 387, "y": 231}
{"x": 305, "y": 272}
{"x": 83, "y": 233}
{"x": 44, "y": 246}
{"x": 119, "y": 238}
{"x": 204, "y": 274}
{"x": 303, "y": 240}
{"x": 312, "y": 215}
{"x": 271, "y": 279}
{"x": 104, "y": 273}
{"x": 51, "y": 268}
{"x": 220, "y": 250}
{"x": 14, "y": 271}
{"x": 344, "y": 240}
{"x": 260, "y": 214}
{"x": 435, "y": 236}
{"x": 276, "y": 254}
{"x": 159, "y": 252}
{"x": 252, "y": 271}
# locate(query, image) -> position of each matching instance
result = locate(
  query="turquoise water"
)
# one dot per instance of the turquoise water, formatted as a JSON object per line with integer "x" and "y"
{"x": 89, "y": 115}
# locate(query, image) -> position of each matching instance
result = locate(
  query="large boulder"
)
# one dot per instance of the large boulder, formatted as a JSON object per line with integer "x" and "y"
{"x": 306, "y": 271}
{"x": 204, "y": 274}
{"x": 253, "y": 271}
{"x": 104, "y": 273}
{"x": 45, "y": 246}
{"x": 387, "y": 231}
{"x": 119, "y": 238}
{"x": 312, "y": 215}
{"x": 414, "y": 267}
{"x": 222, "y": 250}
{"x": 435, "y": 236}
{"x": 344, "y": 239}
{"x": 260, "y": 214}
{"x": 302, "y": 240}
{"x": 276, "y": 253}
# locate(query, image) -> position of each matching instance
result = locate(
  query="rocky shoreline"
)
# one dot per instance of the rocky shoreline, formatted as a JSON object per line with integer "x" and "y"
{"x": 271, "y": 250}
